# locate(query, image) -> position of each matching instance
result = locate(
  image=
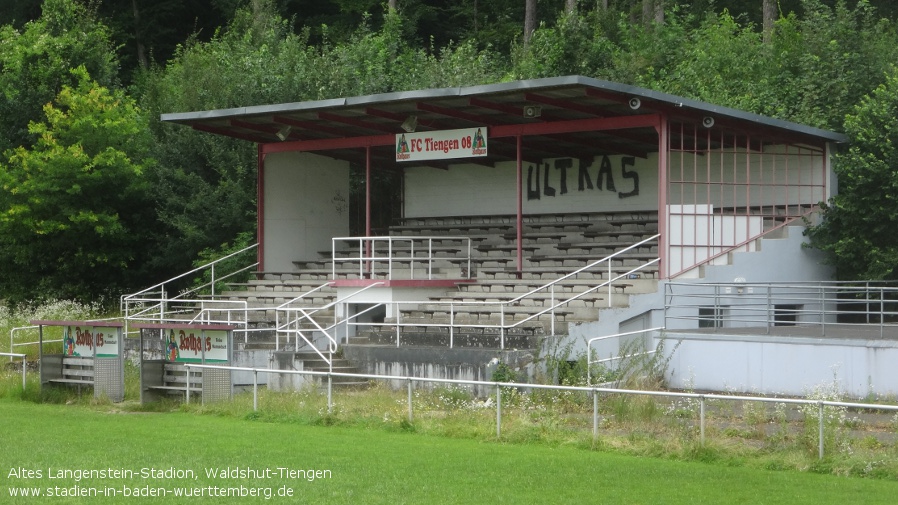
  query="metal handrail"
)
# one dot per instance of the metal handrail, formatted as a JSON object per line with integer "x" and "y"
{"x": 367, "y": 255}
{"x": 24, "y": 363}
{"x": 590, "y": 362}
{"x": 307, "y": 313}
{"x": 502, "y": 326}
{"x": 730, "y": 248}
{"x": 148, "y": 295}
{"x": 211, "y": 265}
{"x": 756, "y": 303}
{"x": 588, "y": 267}
{"x": 593, "y": 390}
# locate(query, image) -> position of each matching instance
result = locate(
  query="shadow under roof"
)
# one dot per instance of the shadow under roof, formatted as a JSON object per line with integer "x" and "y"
{"x": 558, "y": 99}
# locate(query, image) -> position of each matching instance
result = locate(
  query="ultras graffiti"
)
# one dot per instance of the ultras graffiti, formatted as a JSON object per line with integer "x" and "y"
{"x": 541, "y": 177}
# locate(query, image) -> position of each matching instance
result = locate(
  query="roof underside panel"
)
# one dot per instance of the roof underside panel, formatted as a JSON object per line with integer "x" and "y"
{"x": 559, "y": 117}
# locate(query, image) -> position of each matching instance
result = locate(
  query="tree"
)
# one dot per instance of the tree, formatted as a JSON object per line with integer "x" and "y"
{"x": 858, "y": 225}
{"x": 35, "y": 64}
{"x": 73, "y": 208}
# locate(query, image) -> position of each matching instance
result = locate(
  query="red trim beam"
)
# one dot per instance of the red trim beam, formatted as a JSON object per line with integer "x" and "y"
{"x": 547, "y": 128}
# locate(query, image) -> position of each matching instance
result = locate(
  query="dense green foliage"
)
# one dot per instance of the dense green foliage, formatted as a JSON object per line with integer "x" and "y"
{"x": 35, "y": 64}
{"x": 72, "y": 206}
{"x": 818, "y": 62}
{"x": 868, "y": 191}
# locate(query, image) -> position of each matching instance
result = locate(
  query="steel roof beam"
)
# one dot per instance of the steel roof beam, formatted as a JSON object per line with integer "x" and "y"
{"x": 357, "y": 122}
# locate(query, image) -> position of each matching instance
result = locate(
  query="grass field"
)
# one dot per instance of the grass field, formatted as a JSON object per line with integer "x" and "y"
{"x": 365, "y": 466}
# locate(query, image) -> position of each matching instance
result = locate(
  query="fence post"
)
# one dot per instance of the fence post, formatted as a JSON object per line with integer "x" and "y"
{"x": 255, "y": 390}
{"x": 595, "y": 415}
{"x": 498, "y": 411}
{"x": 451, "y": 325}
{"x": 187, "y": 399}
{"x": 501, "y": 326}
{"x": 701, "y": 418}
{"x": 820, "y": 435}
{"x": 329, "y": 394}
{"x": 410, "y": 416}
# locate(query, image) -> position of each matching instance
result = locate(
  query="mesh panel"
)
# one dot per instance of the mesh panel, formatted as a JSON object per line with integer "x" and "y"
{"x": 108, "y": 378}
{"x": 216, "y": 385}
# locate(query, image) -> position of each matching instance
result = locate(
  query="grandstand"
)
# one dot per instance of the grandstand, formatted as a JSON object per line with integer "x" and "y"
{"x": 532, "y": 211}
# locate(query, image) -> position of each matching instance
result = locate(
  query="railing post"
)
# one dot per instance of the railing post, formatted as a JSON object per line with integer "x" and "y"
{"x": 769, "y": 317}
{"x": 410, "y": 416}
{"x": 822, "y": 310}
{"x": 498, "y": 411}
{"x": 451, "y": 325}
{"x": 212, "y": 268}
{"x": 162, "y": 304}
{"x": 595, "y": 415}
{"x": 701, "y": 419}
{"x": 330, "y": 404}
{"x": 552, "y": 301}
{"x": 501, "y": 326}
{"x": 187, "y": 393}
{"x": 610, "y": 276}
{"x": 820, "y": 434}
{"x": 255, "y": 390}
{"x": 666, "y": 286}
{"x": 398, "y": 323}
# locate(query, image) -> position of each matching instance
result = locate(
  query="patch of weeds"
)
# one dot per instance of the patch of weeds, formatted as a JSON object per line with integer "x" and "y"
{"x": 406, "y": 426}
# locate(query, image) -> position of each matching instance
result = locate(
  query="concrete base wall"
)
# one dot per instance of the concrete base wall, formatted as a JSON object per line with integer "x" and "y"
{"x": 790, "y": 366}
{"x": 435, "y": 362}
{"x": 287, "y": 381}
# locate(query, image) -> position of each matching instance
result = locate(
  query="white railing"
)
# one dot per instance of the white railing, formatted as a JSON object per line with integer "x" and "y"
{"x": 152, "y": 303}
{"x": 378, "y": 255}
{"x": 590, "y": 342}
{"x": 869, "y": 307}
{"x": 593, "y": 390}
{"x": 24, "y": 363}
{"x": 454, "y": 308}
{"x": 295, "y": 317}
{"x": 499, "y": 307}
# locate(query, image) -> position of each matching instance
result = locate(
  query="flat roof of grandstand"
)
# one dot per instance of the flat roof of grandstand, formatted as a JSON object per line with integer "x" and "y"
{"x": 526, "y": 108}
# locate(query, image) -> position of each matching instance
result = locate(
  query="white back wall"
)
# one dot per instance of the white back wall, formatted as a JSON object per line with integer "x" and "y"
{"x": 782, "y": 365}
{"x": 306, "y": 198}
{"x": 560, "y": 185}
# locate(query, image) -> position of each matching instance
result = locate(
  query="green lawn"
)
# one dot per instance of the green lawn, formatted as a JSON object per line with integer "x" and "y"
{"x": 370, "y": 466}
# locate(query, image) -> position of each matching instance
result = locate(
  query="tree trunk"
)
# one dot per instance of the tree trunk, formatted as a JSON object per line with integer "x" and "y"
{"x": 138, "y": 37}
{"x": 529, "y": 20}
{"x": 391, "y": 4}
{"x": 769, "y": 15}
{"x": 653, "y": 11}
{"x": 570, "y": 6}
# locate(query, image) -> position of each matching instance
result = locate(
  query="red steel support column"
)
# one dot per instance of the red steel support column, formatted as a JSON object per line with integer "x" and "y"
{"x": 520, "y": 214}
{"x": 368, "y": 191}
{"x": 260, "y": 206}
{"x": 663, "y": 218}
{"x": 368, "y": 207}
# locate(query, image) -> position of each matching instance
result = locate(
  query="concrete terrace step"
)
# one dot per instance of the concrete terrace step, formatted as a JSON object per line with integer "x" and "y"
{"x": 536, "y": 300}
{"x": 547, "y": 273}
{"x": 483, "y": 324}
{"x": 567, "y": 286}
{"x": 443, "y": 339}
